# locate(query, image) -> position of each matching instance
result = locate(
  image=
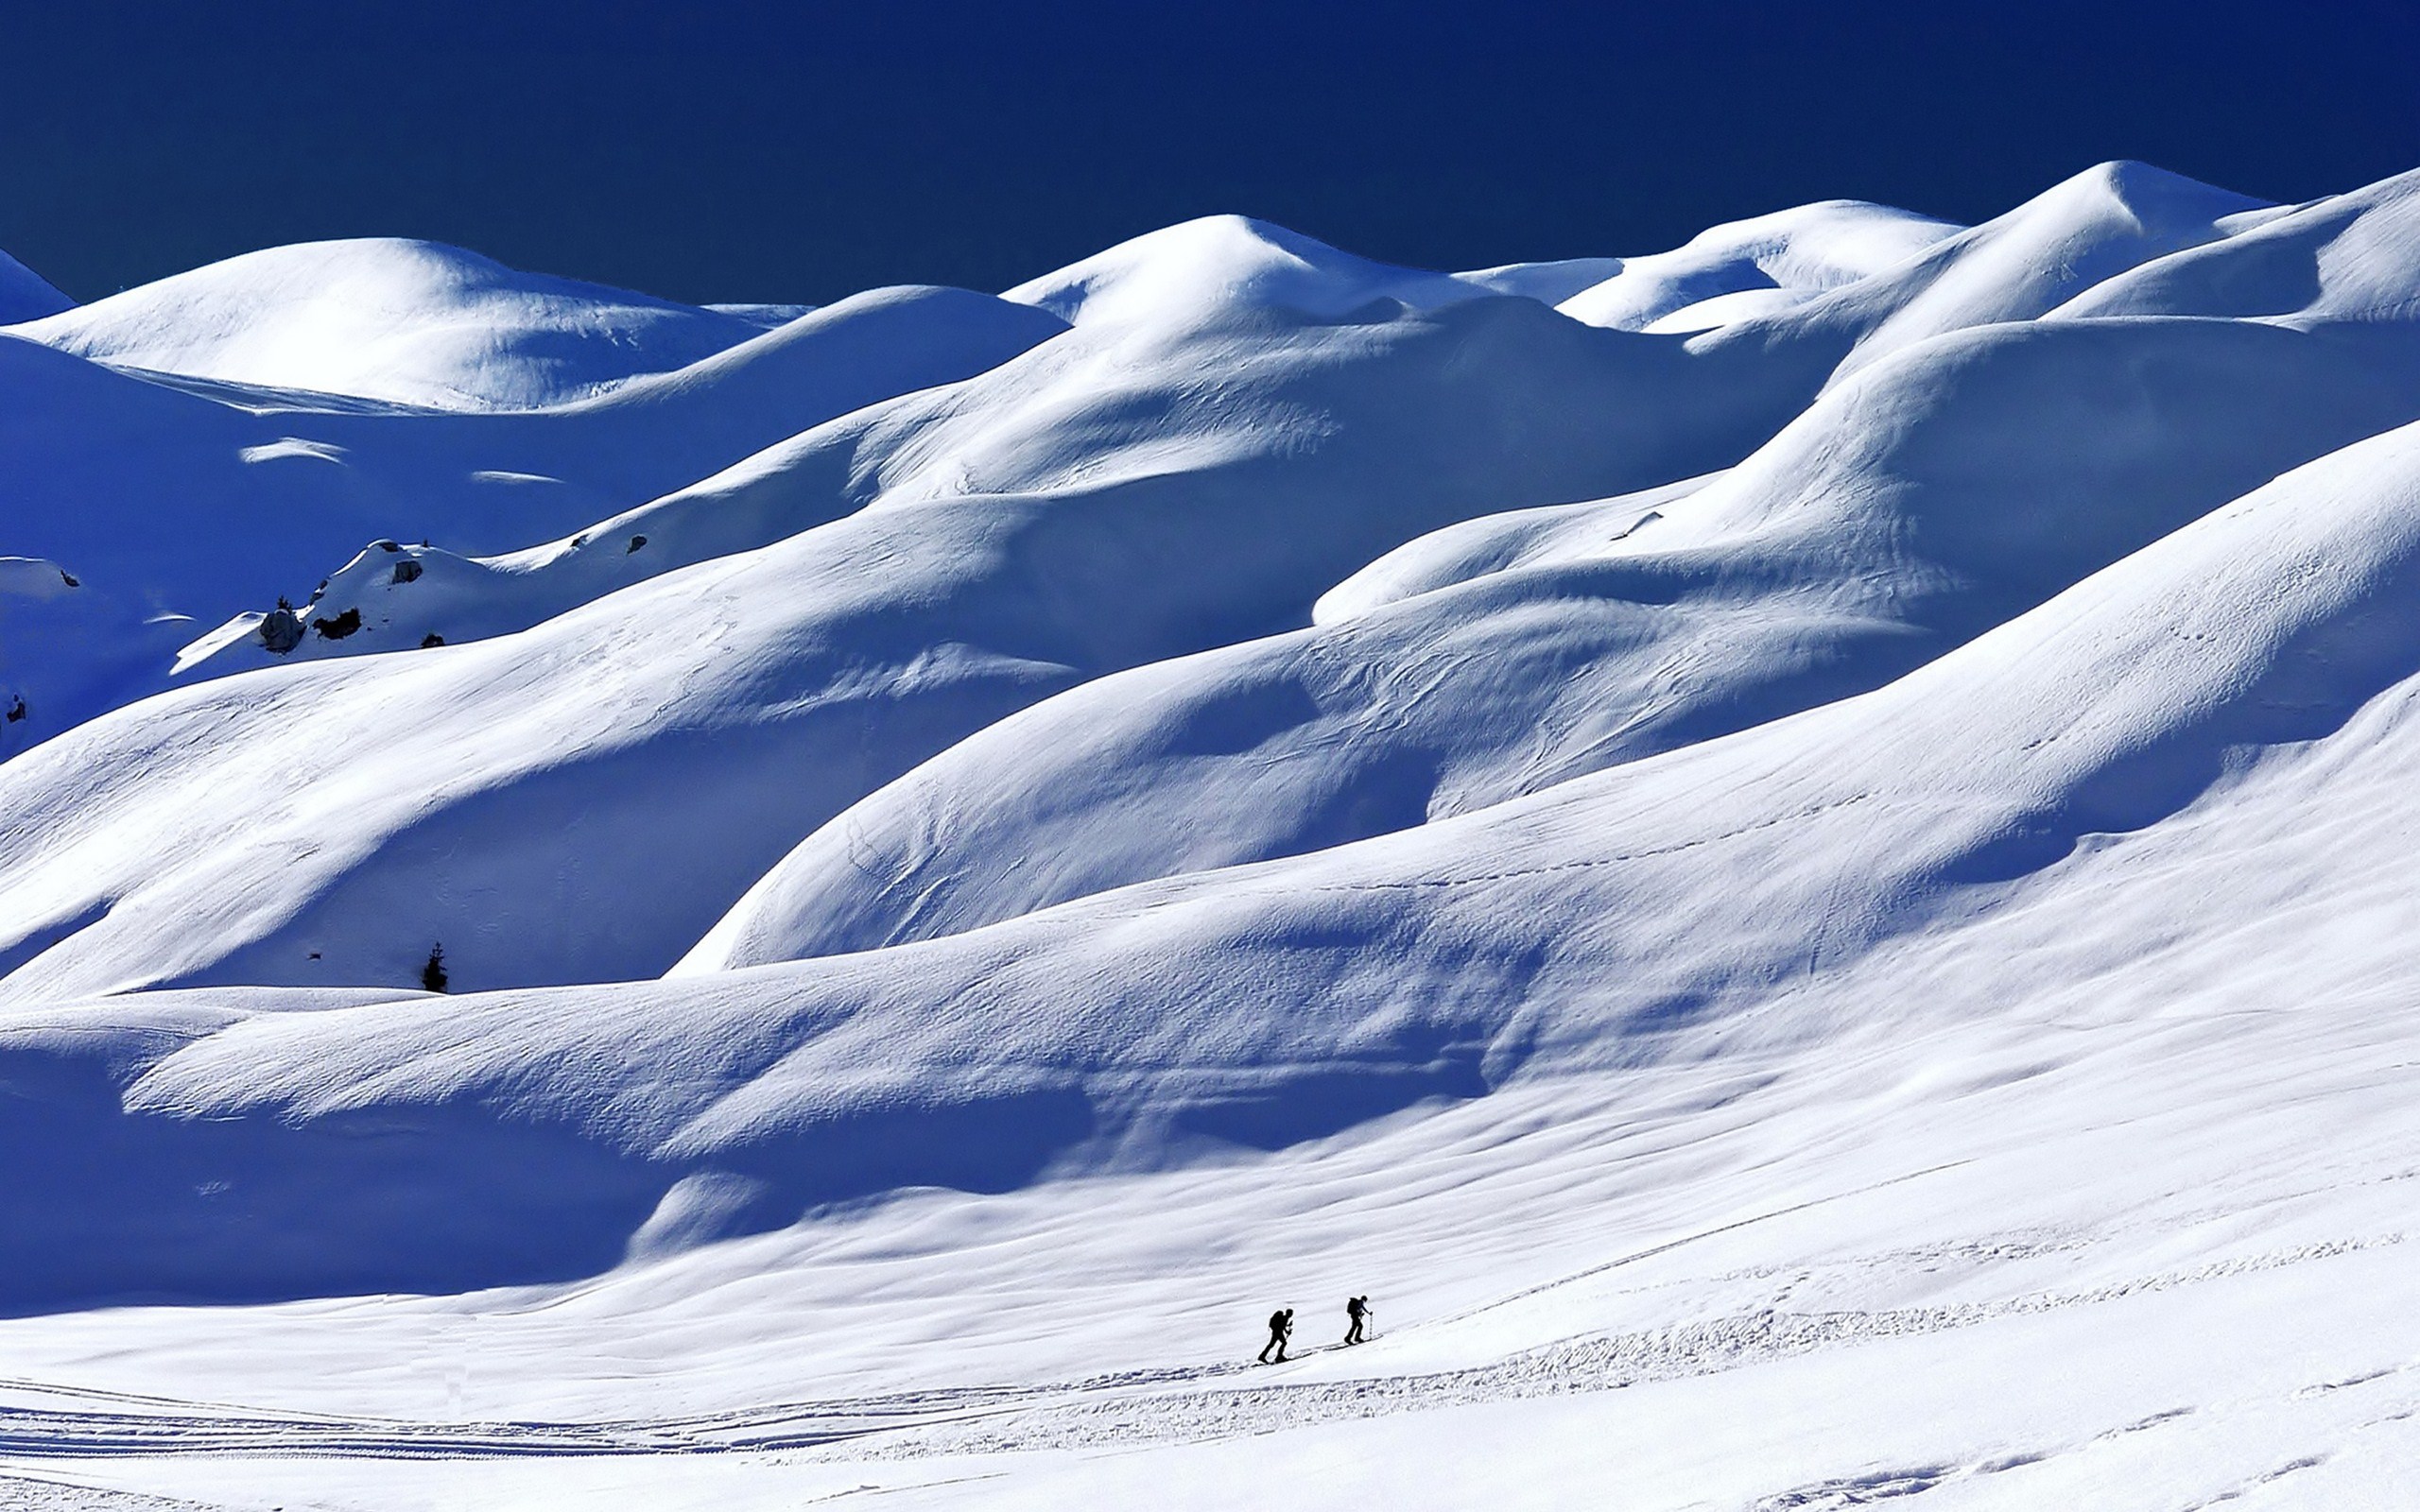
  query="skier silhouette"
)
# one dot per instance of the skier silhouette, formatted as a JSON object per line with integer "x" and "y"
{"x": 1355, "y": 1308}
{"x": 1281, "y": 1328}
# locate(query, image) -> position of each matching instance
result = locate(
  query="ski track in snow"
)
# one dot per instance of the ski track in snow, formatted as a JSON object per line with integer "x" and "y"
{"x": 1170, "y": 1405}
{"x": 39, "y": 1494}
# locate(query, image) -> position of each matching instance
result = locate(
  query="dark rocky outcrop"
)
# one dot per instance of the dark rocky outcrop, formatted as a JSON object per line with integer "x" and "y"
{"x": 282, "y": 630}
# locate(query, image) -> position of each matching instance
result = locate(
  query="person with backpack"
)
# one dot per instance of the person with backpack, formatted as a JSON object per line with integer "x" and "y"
{"x": 1356, "y": 1310}
{"x": 1281, "y": 1328}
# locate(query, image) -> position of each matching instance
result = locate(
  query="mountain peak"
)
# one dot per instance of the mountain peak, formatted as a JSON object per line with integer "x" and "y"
{"x": 1229, "y": 261}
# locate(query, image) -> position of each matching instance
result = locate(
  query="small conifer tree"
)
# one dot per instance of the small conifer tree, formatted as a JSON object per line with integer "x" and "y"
{"x": 432, "y": 976}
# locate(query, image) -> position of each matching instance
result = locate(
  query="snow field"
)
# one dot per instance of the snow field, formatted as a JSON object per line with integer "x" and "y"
{"x": 1795, "y": 851}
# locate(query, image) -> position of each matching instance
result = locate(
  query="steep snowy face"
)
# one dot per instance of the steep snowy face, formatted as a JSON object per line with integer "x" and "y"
{"x": 1214, "y": 694}
{"x": 403, "y": 321}
{"x": 24, "y": 295}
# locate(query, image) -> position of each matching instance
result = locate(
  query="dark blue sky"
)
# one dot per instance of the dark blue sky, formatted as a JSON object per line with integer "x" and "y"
{"x": 720, "y": 149}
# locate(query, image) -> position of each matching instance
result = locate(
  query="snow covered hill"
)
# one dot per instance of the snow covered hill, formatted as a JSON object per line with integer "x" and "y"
{"x": 408, "y": 323}
{"x": 179, "y": 506}
{"x": 1749, "y": 824}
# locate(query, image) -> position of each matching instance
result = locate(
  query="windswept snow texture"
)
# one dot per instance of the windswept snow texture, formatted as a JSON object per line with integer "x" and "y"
{"x": 841, "y": 899}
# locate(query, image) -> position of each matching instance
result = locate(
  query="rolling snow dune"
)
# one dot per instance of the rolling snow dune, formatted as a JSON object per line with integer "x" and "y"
{"x": 103, "y": 470}
{"x": 1547, "y": 282}
{"x": 2345, "y": 258}
{"x": 679, "y": 713}
{"x": 403, "y": 321}
{"x": 1765, "y": 266}
{"x": 1267, "y": 416}
{"x": 1628, "y": 912}
{"x": 840, "y": 901}
{"x": 175, "y": 509}
{"x": 2095, "y": 227}
{"x": 1232, "y": 261}
{"x": 1909, "y": 510}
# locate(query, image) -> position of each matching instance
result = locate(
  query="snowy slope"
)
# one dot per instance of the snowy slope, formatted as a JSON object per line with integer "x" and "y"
{"x": 1259, "y": 414}
{"x": 1907, "y": 512}
{"x": 1094, "y": 504}
{"x": 1810, "y": 828}
{"x": 403, "y": 321}
{"x": 177, "y": 509}
{"x": 23, "y": 296}
{"x": 1627, "y": 913}
{"x": 1877, "y": 775}
{"x": 1769, "y": 265}
{"x": 2344, "y": 258}
{"x": 1234, "y": 261}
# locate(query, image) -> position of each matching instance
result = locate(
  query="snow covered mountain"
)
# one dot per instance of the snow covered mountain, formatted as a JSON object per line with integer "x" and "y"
{"x": 1729, "y": 822}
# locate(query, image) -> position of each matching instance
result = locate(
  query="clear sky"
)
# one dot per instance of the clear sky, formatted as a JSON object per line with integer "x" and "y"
{"x": 736, "y": 150}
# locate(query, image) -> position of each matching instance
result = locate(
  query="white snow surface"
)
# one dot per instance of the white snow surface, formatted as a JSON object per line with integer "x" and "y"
{"x": 1794, "y": 852}
{"x": 1767, "y": 264}
{"x": 383, "y": 319}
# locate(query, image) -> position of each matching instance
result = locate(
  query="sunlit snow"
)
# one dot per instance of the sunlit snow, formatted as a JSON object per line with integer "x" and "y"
{"x": 1795, "y": 852}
